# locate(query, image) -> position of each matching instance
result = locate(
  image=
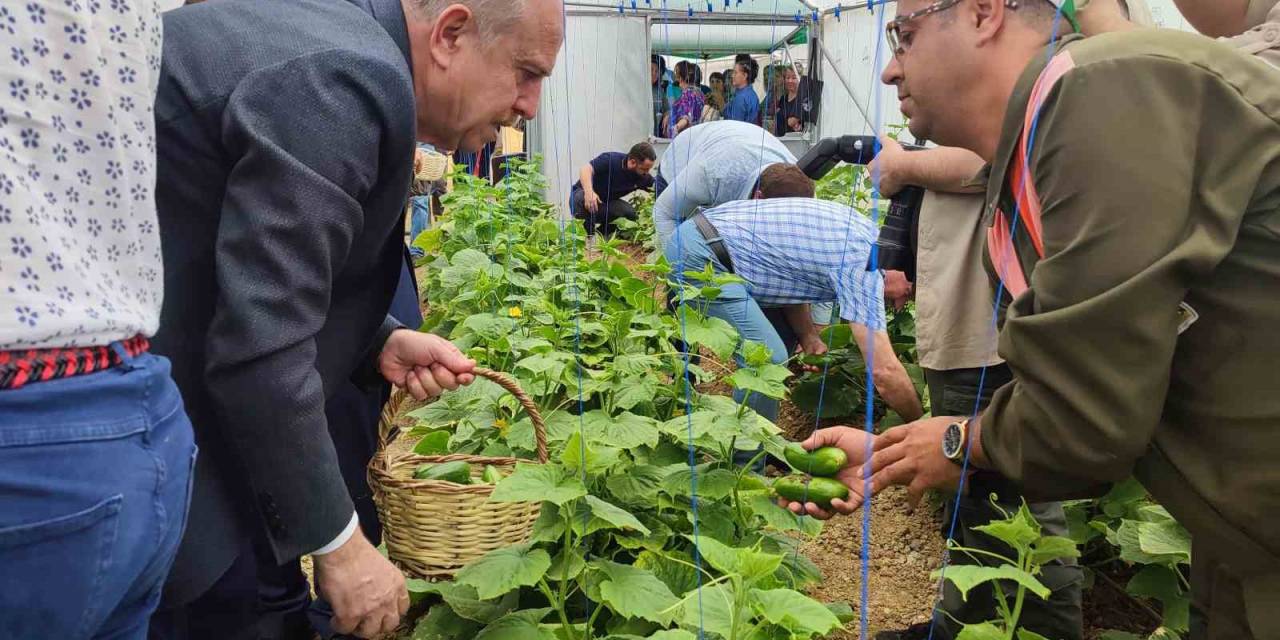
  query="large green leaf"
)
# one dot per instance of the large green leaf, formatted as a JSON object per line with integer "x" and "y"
{"x": 638, "y": 486}
{"x": 1050, "y": 548}
{"x": 1122, "y": 498}
{"x": 500, "y": 571}
{"x": 1165, "y": 539}
{"x": 712, "y": 484}
{"x": 465, "y": 602}
{"x": 616, "y": 517}
{"x": 566, "y": 565}
{"x": 982, "y": 631}
{"x": 581, "y": 454}
{"x": 710, "y": 609}
{"x": 626, "y": 430}
{"x": 713, "y": 333}
{"x": 435, "y": 443}
{"x": 1162, "y": 583}
{"x": 538, "y": 482}
{"x": 763, "y": 505}
{"x": 675, "y": 569}
{"x": 549, "y": 527}
{"x": 795, "y": 611}
{"x": 765, "y": 380}
{"x": 634, "y": 592}
{"x": 1019, "y": 531}
{"x": 1027, "y": 634}
{"x": 966, "y": 577}
{"x": 632, "y": 391}
{"x": 520, "y": 625}
{"x": 441, "y": 623}
{"x": 748, "y": 563}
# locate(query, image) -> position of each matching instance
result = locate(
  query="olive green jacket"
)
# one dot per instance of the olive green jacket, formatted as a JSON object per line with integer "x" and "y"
{"x": 1157, "y": 164}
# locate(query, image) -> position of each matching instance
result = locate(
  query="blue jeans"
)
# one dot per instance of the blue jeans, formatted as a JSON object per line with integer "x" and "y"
{"x": 688, "y": 251}
{"x": 419, "y": 220}
{"x": 95, "y": 479}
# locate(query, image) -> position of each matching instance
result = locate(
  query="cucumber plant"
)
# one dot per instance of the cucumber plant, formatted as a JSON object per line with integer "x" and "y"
{"x": 647, "y": 528}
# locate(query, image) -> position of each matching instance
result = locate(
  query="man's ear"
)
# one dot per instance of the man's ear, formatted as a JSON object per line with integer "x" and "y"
{"x": 453, "y": 24}
{"x": 759, "y": 195}
{"x": 986, "y": 17}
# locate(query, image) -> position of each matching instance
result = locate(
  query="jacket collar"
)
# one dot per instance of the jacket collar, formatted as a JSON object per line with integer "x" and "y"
{"x": 389, "y": 14}
{"x": 1014, "y": 116}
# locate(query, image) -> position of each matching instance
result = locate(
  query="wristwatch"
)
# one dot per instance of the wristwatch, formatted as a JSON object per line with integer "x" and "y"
{"x": 954, "y": 440}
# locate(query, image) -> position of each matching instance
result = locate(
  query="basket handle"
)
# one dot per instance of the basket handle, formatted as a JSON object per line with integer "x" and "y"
{"x": 386, "y": 433}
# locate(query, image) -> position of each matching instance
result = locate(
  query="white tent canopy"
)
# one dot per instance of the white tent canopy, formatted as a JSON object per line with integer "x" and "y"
{"x": 715, "y": 40}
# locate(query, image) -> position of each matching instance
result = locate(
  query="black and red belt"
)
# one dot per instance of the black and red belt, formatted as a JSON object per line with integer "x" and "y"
{"x": 22, "y": 367}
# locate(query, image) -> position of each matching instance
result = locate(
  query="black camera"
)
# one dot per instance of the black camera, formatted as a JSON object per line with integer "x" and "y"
{"x": 895, "y": 249}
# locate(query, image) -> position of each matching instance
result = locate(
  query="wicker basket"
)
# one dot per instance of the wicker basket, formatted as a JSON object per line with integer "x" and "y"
{"x": 433, "y": 528}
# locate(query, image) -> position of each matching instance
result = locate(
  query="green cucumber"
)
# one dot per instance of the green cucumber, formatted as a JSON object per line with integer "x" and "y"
{"x": 823, "y": 462}
{"x": 491, "y": 475}
{"x": 820, "y": 491}
{"x": 457, "y": 471}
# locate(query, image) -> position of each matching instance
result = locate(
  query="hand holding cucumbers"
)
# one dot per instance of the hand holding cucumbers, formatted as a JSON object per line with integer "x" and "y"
{"x": 827, "y": 482}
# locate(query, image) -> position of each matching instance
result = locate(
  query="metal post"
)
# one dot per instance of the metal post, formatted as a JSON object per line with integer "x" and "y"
{"x": 845, "y": 82}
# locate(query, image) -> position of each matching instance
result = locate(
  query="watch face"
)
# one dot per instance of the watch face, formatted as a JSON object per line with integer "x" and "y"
{"x": 951, "y": 441}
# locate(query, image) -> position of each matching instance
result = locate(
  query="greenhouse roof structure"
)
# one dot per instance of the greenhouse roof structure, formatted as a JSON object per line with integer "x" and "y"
{"x": 705, "y": 8}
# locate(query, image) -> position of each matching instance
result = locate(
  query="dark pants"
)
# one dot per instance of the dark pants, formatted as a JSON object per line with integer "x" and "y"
{"x": 600, "y": 222}
{"x": 956, "y": 392}
{"x": 256, "y": 599}
{"x": 95, "y": 480}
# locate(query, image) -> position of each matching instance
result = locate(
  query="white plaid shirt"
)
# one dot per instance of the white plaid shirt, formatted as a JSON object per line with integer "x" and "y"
{"x": 803, "y": 250}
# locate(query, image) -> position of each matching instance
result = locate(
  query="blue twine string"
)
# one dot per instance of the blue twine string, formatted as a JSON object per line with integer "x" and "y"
{"x": 982, "y": 379}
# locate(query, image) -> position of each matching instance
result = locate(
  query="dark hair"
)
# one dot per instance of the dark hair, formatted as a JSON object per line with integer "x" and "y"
{"x": 641, "y": 152}
{"x": 685, "y": 71}
{"x": 751, "y": 68}
{"x": 717, "y": 76}
{"x": 697, "y": 74}
{"x": 783, "y": 180}
{"x": 660, "y": 61}
{"x": 741, "y": 57}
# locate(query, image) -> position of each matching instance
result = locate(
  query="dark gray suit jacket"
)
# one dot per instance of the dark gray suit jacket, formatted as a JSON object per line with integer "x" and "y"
{"x": 285, "y": 140}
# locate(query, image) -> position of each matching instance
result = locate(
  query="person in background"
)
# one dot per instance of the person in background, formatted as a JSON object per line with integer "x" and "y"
{"x": 1141, "y": 289}
{"x": 1252, "y": 26}
{"x": 793, "y": 110}
{"x": 687, "y": 111}
{"x": 792, "y": 250}
{"x": 284, "y": 248}
{"x": 596, "y": 198}
{"x": 429, "y": 181}
{"x": 717, "y": 98}
{"x": 744, "y": 106}
{"x": 697, "y": 79}
{"x": 709, "y": 165}
{"x": 96, "y": 449}
{"x": 769, "y": 102}
{"x": 658, "y": 87}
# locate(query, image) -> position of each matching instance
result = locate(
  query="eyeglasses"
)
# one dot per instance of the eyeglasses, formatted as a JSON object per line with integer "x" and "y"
{"x": 892, "y": 30}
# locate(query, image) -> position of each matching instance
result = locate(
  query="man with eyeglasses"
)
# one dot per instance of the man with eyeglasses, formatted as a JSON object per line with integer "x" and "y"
{"x": 1133, "y": 205}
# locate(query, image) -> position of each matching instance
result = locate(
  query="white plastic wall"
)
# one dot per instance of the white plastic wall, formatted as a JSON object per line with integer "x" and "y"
{"x": 596, "y": 100}
{"x": 852, "y": 42}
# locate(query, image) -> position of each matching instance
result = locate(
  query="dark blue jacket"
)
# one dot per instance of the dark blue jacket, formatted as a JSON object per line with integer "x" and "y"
{"x": 285, "y": 138}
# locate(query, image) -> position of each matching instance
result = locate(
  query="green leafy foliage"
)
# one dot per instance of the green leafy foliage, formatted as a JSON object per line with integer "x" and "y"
{"x": 1126, "y": 528}
{"x": 613, "y": 551}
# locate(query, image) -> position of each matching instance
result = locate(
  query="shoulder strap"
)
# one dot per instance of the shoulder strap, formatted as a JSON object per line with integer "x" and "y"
{"x": 1000, "y": 245}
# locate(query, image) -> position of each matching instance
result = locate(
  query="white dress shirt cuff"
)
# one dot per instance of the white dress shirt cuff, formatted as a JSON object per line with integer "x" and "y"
{"x": 342, "y": 537}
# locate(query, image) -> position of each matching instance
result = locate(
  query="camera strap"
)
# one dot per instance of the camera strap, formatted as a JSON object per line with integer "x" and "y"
{"x": 1000, "y": 247}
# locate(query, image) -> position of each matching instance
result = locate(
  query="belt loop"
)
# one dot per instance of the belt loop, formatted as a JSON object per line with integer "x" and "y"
{"x": 121, "y": 352}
